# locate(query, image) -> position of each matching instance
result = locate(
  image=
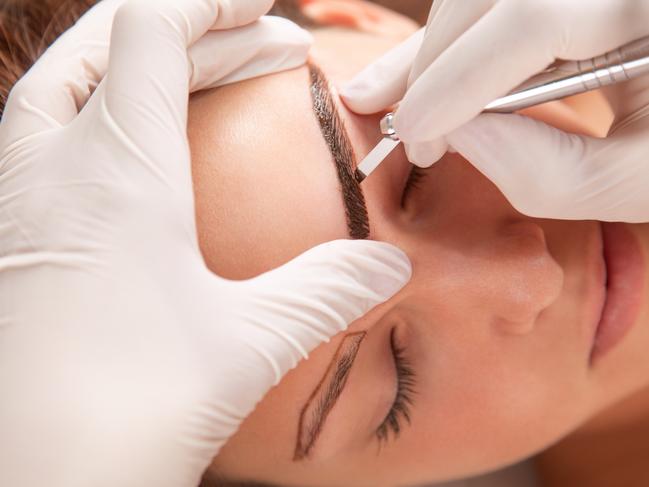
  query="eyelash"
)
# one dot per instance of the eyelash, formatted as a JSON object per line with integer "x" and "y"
{"x": 400, "y": 409}
{"x": 415, "y": 178}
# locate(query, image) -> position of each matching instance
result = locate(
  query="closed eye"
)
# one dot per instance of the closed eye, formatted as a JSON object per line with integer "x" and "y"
{"x": 400, "y": 411}
{"x": 416, "y": 176}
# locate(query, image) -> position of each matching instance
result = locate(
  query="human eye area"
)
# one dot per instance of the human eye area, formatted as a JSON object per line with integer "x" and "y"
{"x": 413, "y": 184}
{"x": 399, "y": 414}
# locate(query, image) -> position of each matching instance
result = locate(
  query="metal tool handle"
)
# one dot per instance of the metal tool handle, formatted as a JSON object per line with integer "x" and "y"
{"x": 573, "y": 77}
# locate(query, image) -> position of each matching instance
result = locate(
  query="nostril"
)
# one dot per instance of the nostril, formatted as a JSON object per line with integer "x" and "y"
{"x": 525, "y": 230}
{"x": 521, "y": 310}
{"x": 521, "y": 327}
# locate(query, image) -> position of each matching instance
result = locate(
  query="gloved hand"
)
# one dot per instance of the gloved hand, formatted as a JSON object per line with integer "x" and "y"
{"x": 123, "y": 360}
{"x": 473, "y": 52}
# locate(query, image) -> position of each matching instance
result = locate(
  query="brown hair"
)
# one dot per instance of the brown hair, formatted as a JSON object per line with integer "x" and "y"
{"x": 27, "y": 28}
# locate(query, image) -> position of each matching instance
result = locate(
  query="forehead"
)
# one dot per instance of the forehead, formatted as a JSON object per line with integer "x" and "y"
{"x": 264, "y": 182}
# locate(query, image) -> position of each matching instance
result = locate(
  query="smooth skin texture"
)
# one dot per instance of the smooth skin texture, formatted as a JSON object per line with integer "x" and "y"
{"x": 493, "y": 323}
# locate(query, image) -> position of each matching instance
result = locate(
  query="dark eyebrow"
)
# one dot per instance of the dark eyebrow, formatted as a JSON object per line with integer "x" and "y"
{"x": 335, "y": 135}
{"x": 324, "y": 396}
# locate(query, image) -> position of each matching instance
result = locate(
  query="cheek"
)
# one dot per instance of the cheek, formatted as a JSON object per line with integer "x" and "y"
{"x": 483, "y": 399}
{"x": 483, "y": 416}
{"x": 485, "y": 404}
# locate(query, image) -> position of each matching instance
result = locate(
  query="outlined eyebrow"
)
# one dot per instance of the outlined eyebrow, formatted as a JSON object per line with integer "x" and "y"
{"x": 324, "y": 396}
{"x": 337, "y": 139}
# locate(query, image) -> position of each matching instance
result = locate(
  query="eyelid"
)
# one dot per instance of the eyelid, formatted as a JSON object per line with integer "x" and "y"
{"x": 413, "y": 180}
{"x": 402, "y": 403}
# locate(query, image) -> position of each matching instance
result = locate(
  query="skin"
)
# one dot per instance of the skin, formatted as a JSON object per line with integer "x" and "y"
{"x": 495, "y": 322}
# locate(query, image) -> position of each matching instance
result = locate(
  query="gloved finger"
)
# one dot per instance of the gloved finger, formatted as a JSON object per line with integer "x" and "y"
{"x": 317, "y": 295}
{"x": 486, "y": 61}
{"x": 271, "y": 44}
{"x": 540, "y": 177}
{"x": 425, "y": 154}
{"x": 547, "y": 173}
{"x": 267, "y": 46}
{"x": 384, "y": 82}
{"x": 448, "y": 20}
{"x": 53, "y": 91}
{"x": 489, "y": 59}
{"x": 147, "y": 84}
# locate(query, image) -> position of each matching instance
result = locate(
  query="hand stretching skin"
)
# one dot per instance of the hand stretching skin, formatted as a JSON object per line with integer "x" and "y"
{"x": 123, "y": 360}
{"x": 473, "y": 52}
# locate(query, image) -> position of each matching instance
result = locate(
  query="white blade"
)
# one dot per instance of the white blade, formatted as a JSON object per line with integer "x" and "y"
{"x": 375, "y": 157}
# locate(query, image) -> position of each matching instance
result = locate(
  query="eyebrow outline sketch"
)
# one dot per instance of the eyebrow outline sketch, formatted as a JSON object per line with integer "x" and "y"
{"x": 337, "y": 139}
{"x": 326, "y": 394}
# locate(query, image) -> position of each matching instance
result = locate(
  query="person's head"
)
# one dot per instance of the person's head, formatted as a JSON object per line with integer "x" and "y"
{"x": 482, "y": 359}
{"x": 493, "y": 335}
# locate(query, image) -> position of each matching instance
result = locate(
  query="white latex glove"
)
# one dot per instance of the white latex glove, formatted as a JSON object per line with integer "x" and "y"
{"x": 474, "y": 52}
{"x": 123, "y": 360}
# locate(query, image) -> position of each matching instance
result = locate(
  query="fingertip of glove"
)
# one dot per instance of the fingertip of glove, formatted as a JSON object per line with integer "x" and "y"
{"x": 352, "y": 89}
{"x": 287, "y": 29}
{"x": 236, "y": 14}
{"x": 387, "y": 267}
{"x": 355, "y": 96}
{"x": 391, "y": 283}
{"x": 426, "y": 154}
{"x": 376, "y": 274}
{"x": 370, "y": 271}
{"x": 365, "y": 92}
{"x": 406, "y": 125}
{"x": 394, "y": 257}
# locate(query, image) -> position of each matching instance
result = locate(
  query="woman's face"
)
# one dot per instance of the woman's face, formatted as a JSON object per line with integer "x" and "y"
{"x": 486, "y": 353}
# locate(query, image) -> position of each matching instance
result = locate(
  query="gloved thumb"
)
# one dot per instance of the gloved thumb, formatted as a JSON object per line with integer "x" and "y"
{"x": 542, "y": 171}
{"x": 384, "y": 82}
{"x": 425, "y": 154}
{"x": 261, "y": 328}
{"x": 317, "y": 295}
{"x": 269, "y": 45}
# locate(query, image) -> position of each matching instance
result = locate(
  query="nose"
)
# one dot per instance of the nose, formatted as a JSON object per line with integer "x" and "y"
{"x": 502, "y": 279}
{"x": 486, "y": 262}
{"x": 476, "y": 260}
{"x": 514, "y": 276}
